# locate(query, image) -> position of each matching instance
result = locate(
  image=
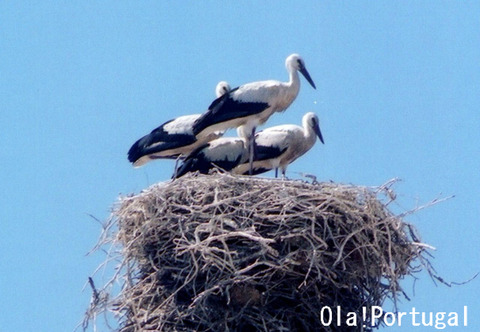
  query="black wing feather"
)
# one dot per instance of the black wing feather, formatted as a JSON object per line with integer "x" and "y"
{"x": 264, "y": 152}
{"x": 224, "y": 109}
{"x": 257, "y": 171}
{"x": 143, "y": 146}
{"x": 197, "y": 161}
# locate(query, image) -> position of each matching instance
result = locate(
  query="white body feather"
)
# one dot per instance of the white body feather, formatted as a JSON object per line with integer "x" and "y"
{"x": 276, "y": 94}
{"x": 226, "y": 148}
{"x": 295, "y": 140}
{"x": 183, "y": 125}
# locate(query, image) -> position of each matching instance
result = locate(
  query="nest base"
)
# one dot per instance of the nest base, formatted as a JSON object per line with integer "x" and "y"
{"x": 234, "y": 253}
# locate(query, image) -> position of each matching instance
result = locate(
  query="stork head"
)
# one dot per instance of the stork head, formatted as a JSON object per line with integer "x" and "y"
{"x": 311, "y": 124}
{"x": 295, "y": 62}
{"x": 222, "y": 88}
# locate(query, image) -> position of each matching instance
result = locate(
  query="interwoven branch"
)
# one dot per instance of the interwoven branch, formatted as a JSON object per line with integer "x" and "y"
{"x": 228, "y": 253}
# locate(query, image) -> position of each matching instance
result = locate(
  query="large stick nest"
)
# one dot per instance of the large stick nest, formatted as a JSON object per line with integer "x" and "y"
{"x": 228, "y": 253}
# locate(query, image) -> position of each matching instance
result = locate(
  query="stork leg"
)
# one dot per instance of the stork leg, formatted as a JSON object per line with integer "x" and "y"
{"x": 250, "y": 157}
{"x": 251, "y": 152}
{"x": 176, "y": 166}
{"x": 276, "y": 172}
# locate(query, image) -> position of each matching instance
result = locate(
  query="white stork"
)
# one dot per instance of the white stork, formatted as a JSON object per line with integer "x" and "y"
{"x": 223, "y": 152}
{"x": 172, "y": 139}
{"x": 251, "y": 104}
{"x": 277, "y": 147}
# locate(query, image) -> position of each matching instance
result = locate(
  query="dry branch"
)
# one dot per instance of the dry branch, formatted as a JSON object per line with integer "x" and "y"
{"x": 229, "y": 253}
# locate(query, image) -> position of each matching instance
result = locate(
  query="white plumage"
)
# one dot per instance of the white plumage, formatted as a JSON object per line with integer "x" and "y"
{"x": 224, "y": 152}
{"x": 279, "y": 146}
{"x": 250, "y": 105}
{"x": 222, "y": 88}
{"x": 181, "y": 125}
{"x": 172, "y": 139}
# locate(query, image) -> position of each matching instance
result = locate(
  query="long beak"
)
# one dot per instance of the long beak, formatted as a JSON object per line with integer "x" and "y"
{"x": 307, "y": 77}
{"x": 319, "y": 133}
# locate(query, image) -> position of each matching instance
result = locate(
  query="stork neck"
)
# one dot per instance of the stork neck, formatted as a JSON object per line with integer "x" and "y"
{"x": 294, "y": 78}
{"x": 309, "y": 134}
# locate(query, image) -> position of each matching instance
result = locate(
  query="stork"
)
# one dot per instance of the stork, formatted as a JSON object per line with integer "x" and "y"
{"x": 251, "y": 104}
{"x": 174, "y": 138}
{"x": 279, "y": 146}
{"x": 223, "y": 152}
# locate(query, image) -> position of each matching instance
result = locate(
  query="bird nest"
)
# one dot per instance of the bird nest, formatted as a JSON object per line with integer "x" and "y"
{"x": 233, "y": 253}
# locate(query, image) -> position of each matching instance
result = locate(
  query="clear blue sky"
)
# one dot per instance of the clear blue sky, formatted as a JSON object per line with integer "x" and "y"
{"x": 398, "y": 95}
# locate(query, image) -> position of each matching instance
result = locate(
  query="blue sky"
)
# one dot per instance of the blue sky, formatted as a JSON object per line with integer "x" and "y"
{"x": 398, "y": 89}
